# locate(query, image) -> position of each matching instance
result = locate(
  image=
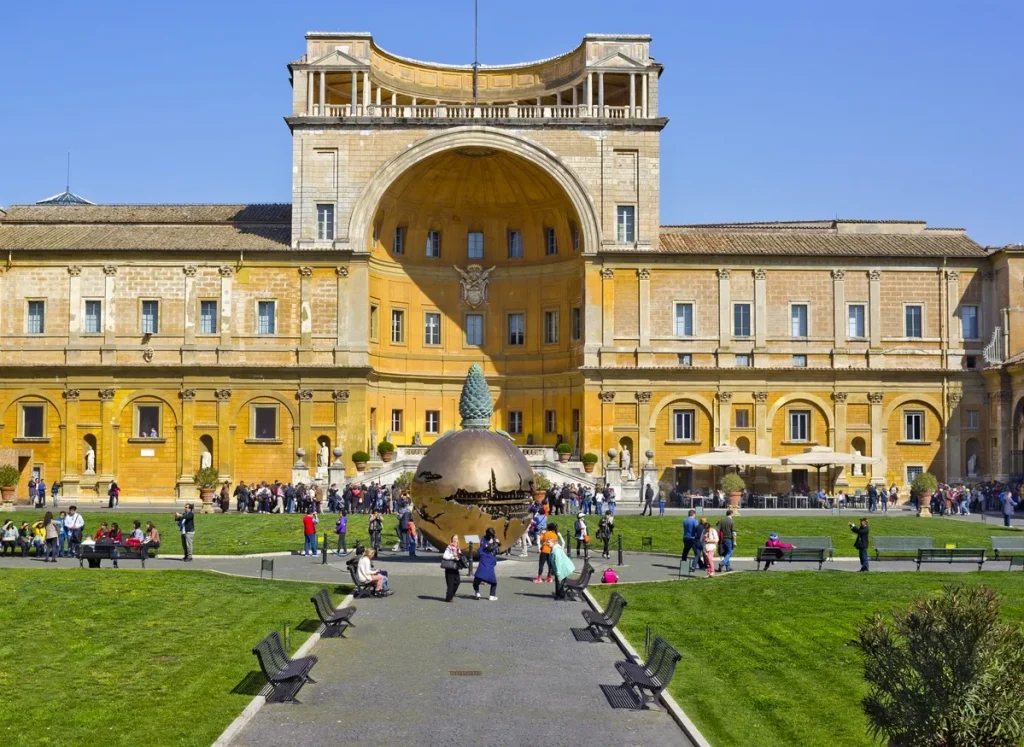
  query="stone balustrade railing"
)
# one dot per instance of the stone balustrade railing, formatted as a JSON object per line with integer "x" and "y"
{"x": 462, "y": 111}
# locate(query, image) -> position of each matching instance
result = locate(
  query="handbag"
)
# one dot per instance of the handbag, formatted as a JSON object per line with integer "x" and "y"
{"x": 450, "y": 564}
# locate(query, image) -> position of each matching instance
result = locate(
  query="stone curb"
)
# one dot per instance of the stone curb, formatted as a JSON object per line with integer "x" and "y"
{"x": 236, "y": 726}
{"x": 678, "y": 715}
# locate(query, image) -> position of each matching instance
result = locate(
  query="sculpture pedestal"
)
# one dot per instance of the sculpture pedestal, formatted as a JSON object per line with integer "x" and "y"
{"x": 336, "y": 474}
{"x": 300, "y": 473}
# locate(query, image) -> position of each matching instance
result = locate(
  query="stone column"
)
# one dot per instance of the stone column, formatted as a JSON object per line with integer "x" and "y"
{"x": 878, "y": 434}
{"x": 645, "y": 357}
{"x": 74, "y": 303}
{"x": 108, "y": 355}
{"x": 875, "y": 358}
{"x": 341, "y": 419}
{"x": 723, "y": 428}
{"x": 226, "y": 279}
{"x": 590, "y": 94}
{"x": 607, "y": 315}
{"x": 762, "y": 446}
{"x": 600, "y": 94}
{"x": 309, "y": 92}
{"x": 607, "y": 422}
{"x": 106, "y": 463}
{"x": 366, "y": 90}
{"x": 951, "y": 437}
{"x": 225, "y": 434}
{"x": 69, "y": 442}
{"x": 632, "y": 95}
{"x": 840, "y": 442}
{"x": 643, "y": 400}
{"x": 724, "y": 310}
{"x": 355, "y": 85}
{"x": 323, "y": 93}
{"x": 839, "y": 308}
{"x": 305, "y": 315}
{"x": 1000, "y": 426}
{"x": 643, "y": 96}
{"x": 303, "y": 438}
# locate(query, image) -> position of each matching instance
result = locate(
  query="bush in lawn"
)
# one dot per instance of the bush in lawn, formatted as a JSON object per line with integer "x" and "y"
{"x": 924, "y": 485}
{"x": 404, "y": 481}
{"x": 945, "y": 673}
{"x": 732, "y": 483}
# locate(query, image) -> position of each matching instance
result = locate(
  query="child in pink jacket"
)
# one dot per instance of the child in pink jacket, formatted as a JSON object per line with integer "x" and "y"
{"x": 773, "y": 541}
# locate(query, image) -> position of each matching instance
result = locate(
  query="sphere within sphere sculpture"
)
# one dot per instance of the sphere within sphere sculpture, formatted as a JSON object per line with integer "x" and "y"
{"x": 473, "y": 479}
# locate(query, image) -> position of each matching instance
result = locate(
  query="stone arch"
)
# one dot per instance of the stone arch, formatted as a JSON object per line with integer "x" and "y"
{"x": 906, "y": 398}
{"x": 127, "y": 399}
{"x": 292, "y": 408}
{"x": 28, "y": 393}
{"x": 692, "y": 398}
{"x": 825, "y": 407}
{"x": 473, "y": 136}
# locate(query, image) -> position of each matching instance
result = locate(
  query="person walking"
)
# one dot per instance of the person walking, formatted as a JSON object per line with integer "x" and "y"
{"x": 1009, "y": 505}
{"x": 710, "y": 546}
{"x": 648, "y": 498}
{"x": 451, "y": 561}
{"x": 187, "y": 525}
{"x": 113, "y": 494}
{"x": 74, "y": 526}
{"x": 309, "y": 522}
{"x": 861, "y": 543}
{"x": 661, "y": 500}
{"x": 51, "y": 535}
{"x": 341, "y": 529}
{"x": 690, "y": 525}
{"x": 41, "y": 493}
{"x": 548, "y": 540}
{"x": 698, "y": 544}
{"x": 411, "y": 544}
{"x": 486, "y": 568}
{"x": 581, "y": 532}
{"x": 605, "y": 527}
{"x": 727, "y": 538}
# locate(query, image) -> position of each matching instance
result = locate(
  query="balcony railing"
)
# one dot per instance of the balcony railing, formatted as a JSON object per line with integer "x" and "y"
{"x": 468, "y": 111}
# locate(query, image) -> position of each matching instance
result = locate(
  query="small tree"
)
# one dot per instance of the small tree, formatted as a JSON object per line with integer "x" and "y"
{"x": 541, "y": 481}
{"x": 945, "y": 672}
{"x": 589, "y": 458}
{"x": 8, "y": 475}
{"x": 564, "y": 448}
{"x": 404, "y": 481}
{"x": 360, "y": 457}
{"x": 385, "y": 447}
{"x": 924, "y": 484}
{"x": 206, "y": 477}
{"x": 732, "y": 483}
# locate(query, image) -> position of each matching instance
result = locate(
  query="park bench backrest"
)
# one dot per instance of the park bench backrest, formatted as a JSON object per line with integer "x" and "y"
{"x": 322, "y": 601}
{"x": 902, "y": 544}
{"x": 953, "y": 552}
{"x": 808, "y": 543}
{"x": 1007, "y": 543}
{"x": 585, "y": 574}
{"x": 614, "y": 611}
{"x": 661, "y": 664}
{"x": 265, "y": 656}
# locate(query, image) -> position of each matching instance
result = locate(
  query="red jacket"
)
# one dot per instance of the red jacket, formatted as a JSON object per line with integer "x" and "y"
{"x": 308, "y": 525}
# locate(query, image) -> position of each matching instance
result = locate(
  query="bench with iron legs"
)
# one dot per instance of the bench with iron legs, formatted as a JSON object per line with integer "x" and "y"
{"x": 651, "y": 676}
{"x": 1017, "y": 561}
{"x": 93, "y": 554}
{"x": 810, "y": 543}
{"x": 285, "y": 676}
{"x": 360, "y": 590}
{"x": 335, "y": 620}
{"x": 951, "y": 555}
{"x": 1006, "y": 548}
{"x": 574, "y": 587}
{"x": 601, "y": 624}
{"x": 900, "y": 548}
{"x": 769, "y": 555}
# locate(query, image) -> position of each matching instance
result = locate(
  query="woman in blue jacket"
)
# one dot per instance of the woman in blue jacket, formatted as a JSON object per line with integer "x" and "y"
{"x": 485, "y": 570}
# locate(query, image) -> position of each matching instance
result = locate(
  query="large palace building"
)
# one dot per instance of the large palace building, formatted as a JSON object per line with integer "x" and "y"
{"x": 509, "y": 218}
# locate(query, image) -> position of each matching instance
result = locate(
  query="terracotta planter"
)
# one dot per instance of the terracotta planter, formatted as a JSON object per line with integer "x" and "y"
{"x": 588, "y": 467}
{"x": 7, "y": 493}
{"x": 360, "y": 466}
{"x": 563, "y": 458}
{"x": 734, "y": 499}
{"x": 387, "y": 456}
{"x": 206, "y": 496}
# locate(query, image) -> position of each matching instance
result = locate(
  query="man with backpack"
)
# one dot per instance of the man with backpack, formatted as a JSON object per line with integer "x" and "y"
{"x": 403, "y": 527}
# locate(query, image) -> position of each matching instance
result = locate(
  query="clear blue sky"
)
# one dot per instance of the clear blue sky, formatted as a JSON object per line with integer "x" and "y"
{"x": 779, "y": 110}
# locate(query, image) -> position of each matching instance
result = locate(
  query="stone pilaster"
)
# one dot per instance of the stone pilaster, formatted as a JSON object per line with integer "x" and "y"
{"x": 643, "y": 400}
{"x": 305, "y": 315}
{"x": 225, "y": 434}
{"x": 303, "y": 437}
{"x": 875, "y": 357}
{"x": 227, "y": 275}
{"x": 645, "y": 357}
{"x": 607, "y": 316}
{"x": 840, "y": 442}
{"x": 878, "y": 433}
{"x": 760, "y": 312}
{"x": 724, "y": 310}
{"x": 951, "y": 437}
{"x": 954, "y": 352}
{"x": 839, "y": 308}
{"x": 74, "y": 303}
{"x": 188, "y": 355}
{"x": 724, "y": 425}
{"x": 108, "y": 353}
{"x": 106, "y": 460}
{"x": 607, "y": 422}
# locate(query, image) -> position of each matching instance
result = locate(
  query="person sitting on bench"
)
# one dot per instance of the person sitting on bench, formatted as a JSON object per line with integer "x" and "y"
{"x": 773, "y": 541}
{"x": 367, "y": 574}
{"x": 152, "y": 538}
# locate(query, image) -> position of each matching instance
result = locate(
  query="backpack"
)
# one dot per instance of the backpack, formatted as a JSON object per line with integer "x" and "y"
{"x": 609, "y": 576}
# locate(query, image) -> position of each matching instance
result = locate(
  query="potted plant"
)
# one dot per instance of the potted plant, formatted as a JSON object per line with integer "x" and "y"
{"x": 360, "y": 458}
{"x": 564, "y": 451}
{"x": 589, "y": 461}
{"x": 922, "y": 488}
{"x": 540, "y": 485}
{"x": 206, "y": 480}
{"x": 733, "y": 485}
{"x": 8, "y": 481}
{"x": 386, "y": 449}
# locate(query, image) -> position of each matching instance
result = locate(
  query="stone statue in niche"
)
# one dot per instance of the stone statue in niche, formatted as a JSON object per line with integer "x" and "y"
{"x": 323, "y": 456}
{"x": 972, "y": 465}
{"x": 90, "y": 461}
{"x": 627, "y": 464}
{"x": 205, "y": 460}
{"x": 417, "y": 439}
{"x": 858, "y": 469}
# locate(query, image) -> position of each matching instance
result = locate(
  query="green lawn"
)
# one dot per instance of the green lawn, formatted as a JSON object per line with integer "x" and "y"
{"x": 766, "y": 657}
{"x": 134, "y": 657}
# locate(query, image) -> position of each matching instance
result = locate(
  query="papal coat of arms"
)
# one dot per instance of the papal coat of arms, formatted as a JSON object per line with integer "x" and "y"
{"x": 474, "y": 285}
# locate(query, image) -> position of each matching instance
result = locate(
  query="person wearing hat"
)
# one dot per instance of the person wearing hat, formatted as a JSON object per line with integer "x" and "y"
{"x": 773, "y": 541}
{"x": 582, "y": 535}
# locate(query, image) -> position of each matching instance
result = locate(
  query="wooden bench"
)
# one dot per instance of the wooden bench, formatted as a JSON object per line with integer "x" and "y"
{"x": 652, "y": 676}
{"x": 899, "y": 547}
{"x": 333, "y": 618}
{"x": 601, "y": 624}
{"x": 1008, "y": 547}
{"x": 810, "y": 543}
{"x": 769, "y": 555}
{"x": 951, "y": 555}
{"x": 574, "y": 587}
{"x": 95, "y": 553}
{"x": 285, "y": 676}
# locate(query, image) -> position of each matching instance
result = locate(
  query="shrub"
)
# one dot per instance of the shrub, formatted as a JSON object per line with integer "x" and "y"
{"x": 360, "y": 456}
{"x": 732, "y": 483}
{"x": 404, "y": 481}
{"x": 946, "y": 671}
{"x": 564, "y": 448}
{"x": 385, "y": 447}
{"x": 924, "y": 484}
{"x": 589, "y": 458}
{"x": 9, "y": 475}
{"x": 541, "y": 481}
{"x": 206, "y": 477}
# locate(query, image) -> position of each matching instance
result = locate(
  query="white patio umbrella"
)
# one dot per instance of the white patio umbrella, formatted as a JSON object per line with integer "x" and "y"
{"x": 727, "y": 455}
{"x": 826, "y": 456}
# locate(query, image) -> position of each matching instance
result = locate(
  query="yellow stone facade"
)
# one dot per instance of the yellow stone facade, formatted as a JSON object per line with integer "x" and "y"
{"x": 151, "y": 336}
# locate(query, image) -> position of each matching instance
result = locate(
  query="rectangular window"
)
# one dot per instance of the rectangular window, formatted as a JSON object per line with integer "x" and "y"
{"x": 743, "y": 360}
{"x": 515, "y": 244}
{"x": 577, "y": 323}
{"x": 913, "y": 425}
{"x": 150, "y": 317}
{"x": 396, "y": 421}
{"x": 550, "y": 327}
{"x": 149, "y": 421}
{"x": 264, "y": 427}
{"x": 799, "y": 425}
{"x": 474, "y": 329}
{"x": 515, "y": 421}
{"x": 684, "y": 359}
{"x": 397, "y": 326}
{"x": 973, "y": 419}
{"x": 683, "y": 422}
{"x": 434, "y": 244}
{"x": 433, "y": 421}
{"x": 431, "y": 328}
{"x": 93, "y": 317}
{"x": 475, "y": 245}
{"x": 325, "y": 222}
{"x": 208, "y": 317}
{"x": 32, "y": 425}
{"x": 625, "y": 224}
{"x": 266, "y": 317}
{"x": 856, "y": 328}
{"x": 684, "y": 320}
{"x": 398, "y": 242}
{"x": 550, "y": 241}
{"x": 800, "y": 361}
{"x": 743, "y": 418}
{"x": 550, "y": 421}
{"x": 374, "y": 321}
{"x": 912, "y": 320}
{"x": 912, "y": 473}
{"x": 969, "y": 322}
{"x": 741, "y": 320}
{"x": 798, "y": 320}
{"x": 36, "y": 317}
{"x": 516, "y": 329}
